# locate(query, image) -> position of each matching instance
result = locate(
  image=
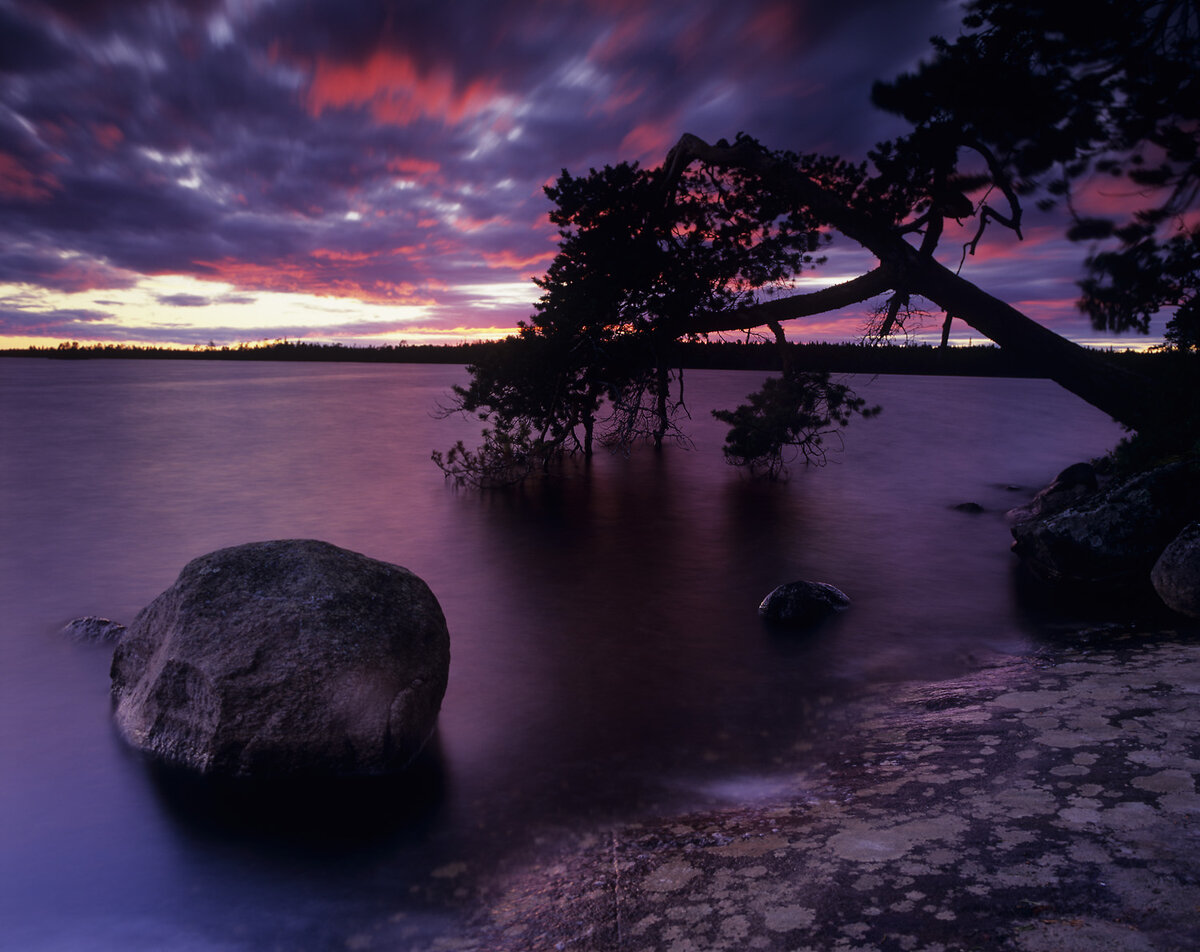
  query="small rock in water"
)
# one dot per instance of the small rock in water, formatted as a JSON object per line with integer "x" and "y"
{"x": 93, "y": 630}
{"x": 803, "y": 603}
{"x": 968, "y": 507}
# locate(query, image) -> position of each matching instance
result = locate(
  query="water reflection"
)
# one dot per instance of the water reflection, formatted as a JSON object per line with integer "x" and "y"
{"x": 329, "y": 813}
{"x": 607, "y": 655}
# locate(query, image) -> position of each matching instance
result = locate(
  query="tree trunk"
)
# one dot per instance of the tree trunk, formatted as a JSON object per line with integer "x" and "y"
{"x": 1128, "y": 397}
{"x": 662, "y": 376}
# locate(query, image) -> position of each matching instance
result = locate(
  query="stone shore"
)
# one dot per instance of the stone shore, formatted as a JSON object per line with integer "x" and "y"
{"x": 1043, "y": 804}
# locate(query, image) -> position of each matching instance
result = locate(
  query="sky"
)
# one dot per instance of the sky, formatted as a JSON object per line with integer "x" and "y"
{"x": 186, "y": 172}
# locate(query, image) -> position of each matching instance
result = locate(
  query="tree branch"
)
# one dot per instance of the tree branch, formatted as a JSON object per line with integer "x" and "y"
{"x": 1129, "y": 397}
{"x": 828, "y": 299}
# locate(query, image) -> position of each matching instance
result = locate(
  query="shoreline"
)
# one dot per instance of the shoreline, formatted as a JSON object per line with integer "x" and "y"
{"x": 1046, "y": 802}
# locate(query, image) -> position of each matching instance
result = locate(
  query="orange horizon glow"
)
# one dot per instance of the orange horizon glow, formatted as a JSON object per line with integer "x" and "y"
{"x": 412, "y": 336}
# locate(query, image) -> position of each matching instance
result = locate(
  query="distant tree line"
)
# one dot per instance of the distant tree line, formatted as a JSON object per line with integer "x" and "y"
{"x": 274, "y": 350}
{"x": 851, "y": 358}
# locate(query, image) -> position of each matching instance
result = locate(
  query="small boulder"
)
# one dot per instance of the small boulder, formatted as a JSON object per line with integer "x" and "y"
{"x": 1176, "y": 574}
{"x": 93, "y": 630}
{"x": 1112, "y": 537}
{"x": 801, "y": 604}
{"x": 283, "y": 658}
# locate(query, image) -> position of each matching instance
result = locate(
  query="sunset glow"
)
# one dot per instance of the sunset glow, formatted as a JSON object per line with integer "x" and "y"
{"x": 241, "y": 171}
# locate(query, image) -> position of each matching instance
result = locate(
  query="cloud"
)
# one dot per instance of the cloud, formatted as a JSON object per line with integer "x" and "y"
{"x": 22, "y": 322}
{"x": 26, "y": 47}
{"x": 384, "y": 152}
{"x": 184, "y": 300}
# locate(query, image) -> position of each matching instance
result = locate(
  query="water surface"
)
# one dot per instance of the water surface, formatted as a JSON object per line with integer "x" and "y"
{"x": 607, "y": 656}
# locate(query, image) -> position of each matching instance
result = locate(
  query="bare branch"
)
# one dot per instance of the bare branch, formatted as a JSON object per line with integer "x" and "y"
{"x": 836, "y": 296}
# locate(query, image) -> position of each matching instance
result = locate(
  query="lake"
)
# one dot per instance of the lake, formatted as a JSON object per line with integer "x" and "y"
{"x": 608, "y": 659}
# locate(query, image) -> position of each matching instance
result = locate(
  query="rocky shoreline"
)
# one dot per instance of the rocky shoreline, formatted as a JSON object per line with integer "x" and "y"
{"x": 1045, "y": 803}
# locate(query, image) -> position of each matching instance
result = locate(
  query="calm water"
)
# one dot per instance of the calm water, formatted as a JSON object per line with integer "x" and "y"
{"x": 607, "y": 656}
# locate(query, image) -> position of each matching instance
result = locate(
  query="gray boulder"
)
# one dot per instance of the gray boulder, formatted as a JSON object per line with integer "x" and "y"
{"x": 284, "y": 658}
{"x": 1176, "y": 574}
{"x": 1112, "y": 537}
{"x": 801, "y": 604}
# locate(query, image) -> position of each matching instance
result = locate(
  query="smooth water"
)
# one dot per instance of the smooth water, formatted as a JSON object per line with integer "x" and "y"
{"x": 607, "y": 655}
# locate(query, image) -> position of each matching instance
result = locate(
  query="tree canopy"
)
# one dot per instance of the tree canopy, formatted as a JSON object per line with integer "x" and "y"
{"x": 1048, "y": 100}
{"x": 1029, "y": 104}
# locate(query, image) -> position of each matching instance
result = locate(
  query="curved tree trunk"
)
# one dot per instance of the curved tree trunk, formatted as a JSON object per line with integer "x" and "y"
{"x": 1128, "y": 397}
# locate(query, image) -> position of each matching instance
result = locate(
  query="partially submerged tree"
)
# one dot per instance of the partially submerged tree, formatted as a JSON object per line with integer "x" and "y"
{"x": 1029, "y": 104}
{"x": 597, "y": 361}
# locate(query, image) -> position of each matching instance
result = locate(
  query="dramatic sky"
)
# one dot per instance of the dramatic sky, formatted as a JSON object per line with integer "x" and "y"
{"x": 366, "y": 171}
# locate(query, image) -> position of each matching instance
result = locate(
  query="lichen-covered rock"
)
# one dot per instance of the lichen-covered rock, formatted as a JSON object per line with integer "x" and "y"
{"x": 1176, "y": 574}
{"x": 801, "y": 604}
{"x": 93, "y": 630}
{"x": 283, "y": 658}
{"x": 1112, "y": 537}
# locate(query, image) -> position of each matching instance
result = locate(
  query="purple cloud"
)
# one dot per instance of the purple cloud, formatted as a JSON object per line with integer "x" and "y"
{"x": 393, "y": 153}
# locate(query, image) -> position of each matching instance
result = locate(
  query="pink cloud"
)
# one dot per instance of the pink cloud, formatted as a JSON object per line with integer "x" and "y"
{"x": 107, "y": 134}
{"x": 528, "y": 265}
{"x": 395, "y": 90}
{"x": 649, "y": 141}
{"x": 625, "y": 32}
{"x": 325, "y": 274}
{"x": 772, "y": 26}
{"x": 18, "y": 182}
{"x": 414, "y": 168}
{"x": 625, "y": 95}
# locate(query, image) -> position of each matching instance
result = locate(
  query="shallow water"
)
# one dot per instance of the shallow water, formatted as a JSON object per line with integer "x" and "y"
{"x": 607, "y": 656}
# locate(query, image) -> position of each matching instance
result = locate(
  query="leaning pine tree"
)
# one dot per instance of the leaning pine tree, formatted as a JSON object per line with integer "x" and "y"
{"x": 635, "y": 275}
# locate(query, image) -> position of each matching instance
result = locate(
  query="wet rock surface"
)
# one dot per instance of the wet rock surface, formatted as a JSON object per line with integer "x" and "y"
{"x": 93, "y": 630}
{"x": 1110, "y": 538}
{"x": 1045, "y": 803}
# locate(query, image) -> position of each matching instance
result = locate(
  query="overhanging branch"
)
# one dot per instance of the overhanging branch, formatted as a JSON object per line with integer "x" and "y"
{"x": 1130, "y": 398}
{"x": 832, "y": 298}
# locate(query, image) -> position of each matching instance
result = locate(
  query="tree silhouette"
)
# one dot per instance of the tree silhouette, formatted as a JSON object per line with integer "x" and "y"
{"x": 598, "y": 359}
{"x": 1028, "y": 105}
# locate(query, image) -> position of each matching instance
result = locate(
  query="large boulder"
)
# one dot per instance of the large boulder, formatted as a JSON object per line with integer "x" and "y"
{"x": 1111, "y": 538}
{"x": 802, "y": 604}
{"x": 1176, "y": 574}
{"x": 284, "y": 658}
